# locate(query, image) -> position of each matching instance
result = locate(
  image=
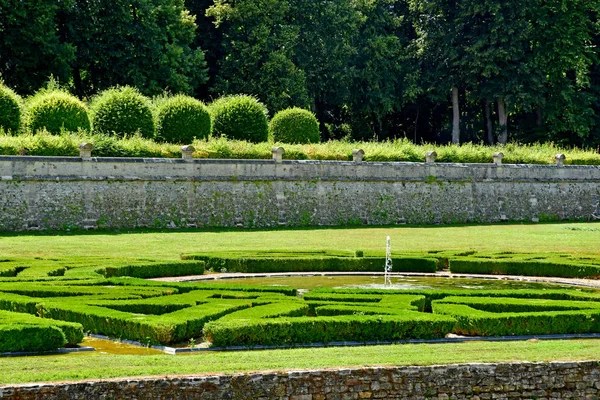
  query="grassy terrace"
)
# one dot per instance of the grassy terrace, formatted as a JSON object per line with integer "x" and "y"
{"x": 97, "y": 365}
{"x": 581, "y": 240}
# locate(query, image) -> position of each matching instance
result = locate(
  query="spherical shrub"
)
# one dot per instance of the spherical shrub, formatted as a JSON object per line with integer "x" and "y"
{"x": 180, "y": 119}
{"x": 55, "y": 110}
{"x": 240, "y": 117}
{"x": 123, "y": 111}
{"x": 10, "y": 110}
{"x": 295, "y": 125}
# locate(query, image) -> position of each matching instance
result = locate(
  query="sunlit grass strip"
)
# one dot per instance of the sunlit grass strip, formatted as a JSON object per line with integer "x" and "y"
{"x": 98, "y": 365}
{"x": 44, "y": 144}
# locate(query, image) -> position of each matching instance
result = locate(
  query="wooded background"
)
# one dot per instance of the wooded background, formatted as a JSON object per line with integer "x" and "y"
{"x": 429, "y": 70}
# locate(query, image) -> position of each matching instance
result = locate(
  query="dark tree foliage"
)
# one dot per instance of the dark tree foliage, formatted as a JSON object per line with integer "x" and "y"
{"x": 30, "y": 47}
{"x": 147, "y": 44}
{"x": 429, "y": 70}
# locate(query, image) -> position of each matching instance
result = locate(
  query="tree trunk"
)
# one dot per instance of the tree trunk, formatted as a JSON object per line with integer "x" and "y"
{"x": 416, "y": 124}
{"x": 455, "y": 117}
{"x": 77, "y": 83}
{"x": 502, "y": 118}
{"x": 489, "y": 126}
{"x": 538, "y": 116}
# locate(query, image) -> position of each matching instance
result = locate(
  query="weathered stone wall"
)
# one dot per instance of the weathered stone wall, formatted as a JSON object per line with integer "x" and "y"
{"x": 478, "y": 381}
{"x": 70, "y": 192}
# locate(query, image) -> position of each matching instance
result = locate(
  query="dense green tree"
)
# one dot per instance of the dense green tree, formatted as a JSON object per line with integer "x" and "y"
{"x": 142, "y": 43}
{"x": 30, "y": 47}
{"x": 563, "y": 54}
{"x": 259, "y": 43}
{"x": 385, "y": 68}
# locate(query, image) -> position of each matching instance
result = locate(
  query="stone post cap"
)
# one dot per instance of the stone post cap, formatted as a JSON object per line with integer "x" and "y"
{"x": 85, "y": 150}
{"x": 560, "y": 159}
{"x": 277, "y": 153}
{"x": 357, "y": 155}
{"x": 187, "y": 152}
{"x": 86, "y": 146}
{"x": 430, "y": 156}
{"x": 498, "y": 156}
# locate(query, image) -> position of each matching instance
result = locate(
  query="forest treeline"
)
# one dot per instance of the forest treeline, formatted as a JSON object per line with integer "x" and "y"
{"x": 441, "y": 71}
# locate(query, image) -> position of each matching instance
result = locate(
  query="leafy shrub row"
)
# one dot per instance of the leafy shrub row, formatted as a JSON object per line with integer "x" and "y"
{"x": 17, "y": 337}
{"x": 24, "y": 332}
{"x": 179, "y": 268}
{"x": 361, "y": 328}
{"x": 124, "y": 111}
{"x": 523, "y": 267}
{"x": 471, "y": 321}
{"x": 314, "y": 264}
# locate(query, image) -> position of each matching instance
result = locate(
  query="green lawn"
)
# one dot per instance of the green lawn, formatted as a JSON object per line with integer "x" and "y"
{"x": 97, "y": 365}
{"x": 581, "y": 239}
{"x": 576, "y": 239}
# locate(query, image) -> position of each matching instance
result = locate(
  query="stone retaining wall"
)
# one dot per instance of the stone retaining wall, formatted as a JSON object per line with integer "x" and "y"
{"x": 72, "y": 192}
{"x": 478, "y": 381}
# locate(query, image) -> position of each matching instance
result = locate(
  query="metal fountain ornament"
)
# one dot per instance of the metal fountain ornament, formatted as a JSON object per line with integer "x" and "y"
{"x": 388, "y": 262}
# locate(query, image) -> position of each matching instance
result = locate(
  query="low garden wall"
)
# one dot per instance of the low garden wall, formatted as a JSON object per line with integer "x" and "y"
{"x": 572, "y": 380}
{"x": 87, "y": 192}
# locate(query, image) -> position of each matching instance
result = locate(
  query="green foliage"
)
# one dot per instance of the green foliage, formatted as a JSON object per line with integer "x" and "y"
{"x": 123, "y": 111}
{"x": 218, "y": 147}
{"x": 181, "y": 119}
{"x": 30, "y": 338}
{"x": 10, "y": 110}
{"x": 24, "y": 332}
{"x": 525, "y": 317}
{"x": 56, "y": 111}
{"x": 311, "y": 263}
{"x": 154, "y": 270}
{"x": 240, "y": 117}
{"x": 524, "y": 267}
{"x": 31, "y": 43}
{"x": 147, "y": 44}
{"x": 294, "y": 125}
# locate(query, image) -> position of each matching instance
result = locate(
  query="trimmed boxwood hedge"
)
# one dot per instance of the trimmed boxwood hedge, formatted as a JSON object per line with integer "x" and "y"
{"x": 57, "y": 110}
{"x": 316, "y": 264}
{"x": 123, "y": 111}
{"x": 181, "y": 119}
{"x": 30, "y": 338}
{"x": 294, "y": 125}
{"x": 240, "y": 117}
{"x": 523, "y": 267}
{"x": 10, "y": 110}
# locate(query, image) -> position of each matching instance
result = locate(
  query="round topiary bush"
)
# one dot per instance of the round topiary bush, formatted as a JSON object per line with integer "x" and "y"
{"x": 181, "y": 118}
{"x": 55, "y": 110}
{"x": 10, "y": 110}
{"x": 240, "y": 117}
{"x": 123, "y": 111}
{"x": 295, "y": 125}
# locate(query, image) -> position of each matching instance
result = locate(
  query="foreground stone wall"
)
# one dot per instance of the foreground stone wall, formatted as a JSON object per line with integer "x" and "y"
{"x": 478, "y": 381}
{"x": 71, "y": 192}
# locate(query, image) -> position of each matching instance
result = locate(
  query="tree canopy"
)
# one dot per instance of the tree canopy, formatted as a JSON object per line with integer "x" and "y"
{"x": 429, "y": 70}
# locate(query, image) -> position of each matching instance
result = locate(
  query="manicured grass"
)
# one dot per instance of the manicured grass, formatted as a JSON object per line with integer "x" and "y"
{"x": 97, "y": 365}
{"x": 578, "y": 239}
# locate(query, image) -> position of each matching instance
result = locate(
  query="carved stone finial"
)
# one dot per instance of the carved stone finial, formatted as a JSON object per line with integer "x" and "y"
{"x": 85, "y": 150}
{"x": 430, "y": 157}
{"x": 277, "y": 153}
{"x": 498, "y": 156}
{"x": 560, "y": 160}
{"x": 357, "y": 155}
{"x": 187, "y": 152}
